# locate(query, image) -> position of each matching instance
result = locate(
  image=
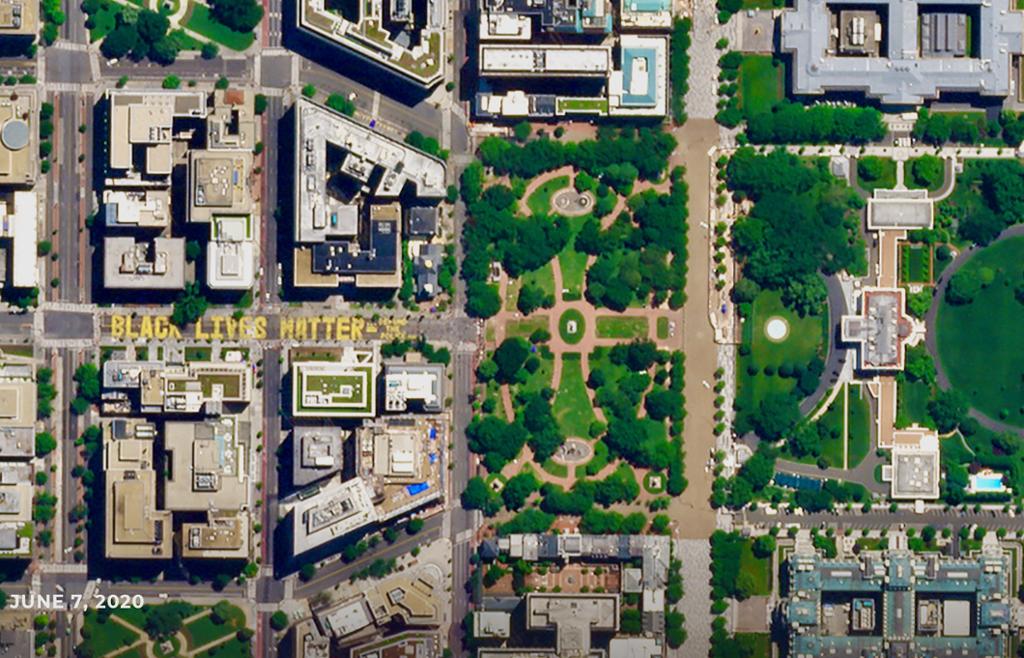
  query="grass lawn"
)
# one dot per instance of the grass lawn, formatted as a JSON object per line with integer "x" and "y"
{"x": 876, "y": 172}
{"x": 915, "y": 263}
{"x": 755, "y": 644}
{"x": 572, "y": 407}
{"x": 205, "y": 630}
{"x": 539, "y": 202}
{"x": 596, "y": 463}
{"x": 104, "y": 20}
{"x": 919, "y": 181}
{"x": 230, "y": 649}
{"x": 106, "y": 637}
{"x": 807, "y": 337}
{"x": 133, "y": 616}
{"x": 760, "y": 84}
{"x": 859, "y": 422}
{"x": 199, "y": 20}
{"x": 759, "y": 569}
{"x": 543, "y": 278}
{"x": 662, "y": 328}
{"x": 619, "y": 326}
{"x": 979, "y": 343}
{"x": 572, "y": 315}
{"x": 523, "y": 328}
{"x": 555, "y": 468}
{"x": 184, "y": 40}
{"x": 832, "y": 449}
{"x": 197, "y": 354}
{"x": 912, "y": 404}
{"x": 137, "y": 652}
{"x": 541, "y": 378}
{"x": 573, "y": 263}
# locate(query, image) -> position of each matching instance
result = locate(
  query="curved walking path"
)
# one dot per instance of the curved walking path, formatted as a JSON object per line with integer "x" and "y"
{"x": 931, "y": 338}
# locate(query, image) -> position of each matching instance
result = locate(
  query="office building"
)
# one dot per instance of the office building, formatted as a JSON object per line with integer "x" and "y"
{"x": 342, "y": 388}
{"x": 417, "y": 385}
{"x": 349, "y": 185}
{"x": 903, "y": 52}
{"x": 899, "y": 603}
{"x": 400, "y": 37}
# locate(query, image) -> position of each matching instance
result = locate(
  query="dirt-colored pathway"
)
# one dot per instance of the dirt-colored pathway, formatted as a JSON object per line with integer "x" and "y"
{"x": 691, "y": 511}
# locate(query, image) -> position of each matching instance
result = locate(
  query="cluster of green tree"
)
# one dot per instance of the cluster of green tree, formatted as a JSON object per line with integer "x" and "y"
{"x": 997, "y": 451}
{"x": 647, "y": 149}
{"x": 832, "y": 492}
{"x": 729, "y": 113}
{"x": 965, "y": 285}
{"x": 996, "y": 202}
{"x": 752, "y": 479}
{"x": 640, "y": 256}
{"x": 620, "y": 391}
{"x": 777, "y": 414}
{"x": 139, "y": 34}
{"x": 675, "y": 634}
{"x": 803, "y": 222}
{"x": 529, "y": 521}
{"x": 428, "y": 145}
{"x": 341, "y": 103}
{"x": 399, "y": 348}
{"x": 53, "y": 17}
{"x": 742, "y": 645}
{"x": 872, "y": 168}
{"x": 679, "y": 67}
{"x": 45, "y": 444}
{"x": 727, "y": 579}
{"x": 46, "y": 392}
{"x": 597, "y": 522}
{"x": 795, "y": 123}
{"x": 927, "y": 171}
{"x": 87, "y": 376}
{"x": 962, "y": 128}
{"x": 620, "y": 486}
{"x": 238, "y": 15}
{"x": 190, "y": 305}
{"x": 494, "y": 232}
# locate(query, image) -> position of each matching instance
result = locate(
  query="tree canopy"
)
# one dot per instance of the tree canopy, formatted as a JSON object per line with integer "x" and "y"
{"x": 239, "y": 15}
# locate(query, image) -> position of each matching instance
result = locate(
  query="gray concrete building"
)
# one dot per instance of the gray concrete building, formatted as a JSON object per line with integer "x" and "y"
{"x": 903, "y": 52}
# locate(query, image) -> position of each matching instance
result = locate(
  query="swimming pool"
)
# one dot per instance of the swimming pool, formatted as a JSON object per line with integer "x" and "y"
{"x": 987, "y": 482}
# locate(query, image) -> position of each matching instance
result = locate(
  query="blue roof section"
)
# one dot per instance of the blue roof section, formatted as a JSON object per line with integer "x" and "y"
{"x": 629, "y": 56}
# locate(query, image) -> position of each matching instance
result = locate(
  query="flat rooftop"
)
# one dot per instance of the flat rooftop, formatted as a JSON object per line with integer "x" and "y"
{"x": 905, "y": 74}
{"x": 900, "y": 209}
{"x": 336, "y": 510}
{"x": 18, "y": 133}
{"x": 208, "y": 465}
{"x": 158, "y": 264}
{"x": 415, "y": 54}
{"x": 342, "y": 388}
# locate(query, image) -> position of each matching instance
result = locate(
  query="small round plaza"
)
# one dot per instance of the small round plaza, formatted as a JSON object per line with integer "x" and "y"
{"x": 776, "y": 329}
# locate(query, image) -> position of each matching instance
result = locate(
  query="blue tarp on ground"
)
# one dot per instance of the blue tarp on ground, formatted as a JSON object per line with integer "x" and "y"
{"x": 414, "y": 489}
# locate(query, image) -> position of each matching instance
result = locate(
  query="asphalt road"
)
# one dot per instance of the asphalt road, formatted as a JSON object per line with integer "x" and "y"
{"x": 16, "y": 325}
{"x": 270, "y": 201}
{"x": 234, "y": 68}
{"x": 885, "y": 519}
{"x": 423, "y": 116}
{"x": 461, "y": 520}
{"x": 71, "y": 200}
{"x": 67, "y": 325}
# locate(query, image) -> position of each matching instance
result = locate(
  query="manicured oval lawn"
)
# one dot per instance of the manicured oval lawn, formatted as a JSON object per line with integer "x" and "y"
{"x": 980, "y": 343}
